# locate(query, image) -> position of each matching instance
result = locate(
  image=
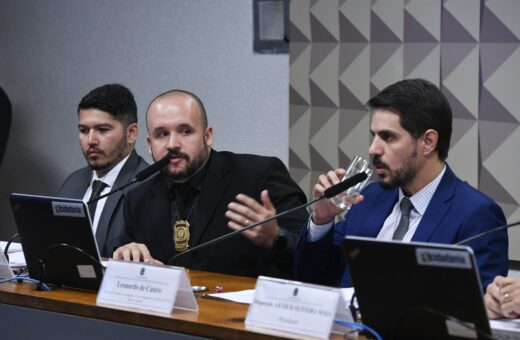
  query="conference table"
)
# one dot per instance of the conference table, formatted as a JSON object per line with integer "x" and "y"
{"x": 63, "y": 313}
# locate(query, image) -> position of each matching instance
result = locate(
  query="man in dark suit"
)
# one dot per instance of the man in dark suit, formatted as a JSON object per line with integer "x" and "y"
{"x": 417, "y": 197}
{"x": 203, "y": 194}
{"x": 107, "y": 124}
{"x": 5, "y": 121}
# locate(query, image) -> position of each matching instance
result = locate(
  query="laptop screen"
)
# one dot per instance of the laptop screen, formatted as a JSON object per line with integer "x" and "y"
{"x": 416, "y": 289}
{"x": 56, "y": 236}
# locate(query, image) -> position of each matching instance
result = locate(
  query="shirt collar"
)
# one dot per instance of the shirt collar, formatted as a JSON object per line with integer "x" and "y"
{"x": 195, "y": 182}
{"x": 422, "y": 198}
{"x": 110, "y": 178}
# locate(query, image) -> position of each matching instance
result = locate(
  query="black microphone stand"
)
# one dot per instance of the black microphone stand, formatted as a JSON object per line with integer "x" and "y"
{"x": 233, "y": 233}
{"x": 330, "y": 192}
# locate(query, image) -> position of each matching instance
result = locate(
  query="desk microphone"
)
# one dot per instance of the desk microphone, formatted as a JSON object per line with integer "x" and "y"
{"x": 486, "y": 233}
{"x": 139, "y": 177}
{"x": 328, "y": 193}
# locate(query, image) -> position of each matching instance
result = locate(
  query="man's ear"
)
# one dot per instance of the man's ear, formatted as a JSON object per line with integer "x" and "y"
{"x": 430, "y": 139}
{"x": 131, "y": 133}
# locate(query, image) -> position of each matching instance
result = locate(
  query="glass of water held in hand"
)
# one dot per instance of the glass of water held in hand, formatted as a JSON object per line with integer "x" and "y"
{"x": 347, "y": 197}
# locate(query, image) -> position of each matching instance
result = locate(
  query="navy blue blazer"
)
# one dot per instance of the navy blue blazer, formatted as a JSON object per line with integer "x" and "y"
{"x": 456, "y": 212}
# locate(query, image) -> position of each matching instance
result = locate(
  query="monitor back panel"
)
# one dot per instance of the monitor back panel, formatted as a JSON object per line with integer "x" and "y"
{"x": 57, "y": 233}
{"x": 407, "y": 289}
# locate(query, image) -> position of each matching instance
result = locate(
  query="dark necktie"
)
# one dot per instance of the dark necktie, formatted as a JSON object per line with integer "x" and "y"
{"x": 97, "y": 189}
{"x": 404, "y": 222}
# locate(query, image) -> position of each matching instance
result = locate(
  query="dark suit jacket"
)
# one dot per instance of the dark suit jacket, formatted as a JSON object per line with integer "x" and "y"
{"x": 148, "y": 217}
{"x": 110, "y": 230}
{"x": 456, "y": 212}
{"x": 5, "y": 121}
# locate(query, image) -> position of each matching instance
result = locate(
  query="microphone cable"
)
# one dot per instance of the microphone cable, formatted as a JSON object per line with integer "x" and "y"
{"x": 41, "y": 260}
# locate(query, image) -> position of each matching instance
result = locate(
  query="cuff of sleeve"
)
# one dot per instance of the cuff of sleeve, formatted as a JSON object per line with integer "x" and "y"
{"x": 316, "y": 232}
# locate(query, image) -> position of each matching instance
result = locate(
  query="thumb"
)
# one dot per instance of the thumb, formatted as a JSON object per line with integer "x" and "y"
{"x": 266, "y": 201}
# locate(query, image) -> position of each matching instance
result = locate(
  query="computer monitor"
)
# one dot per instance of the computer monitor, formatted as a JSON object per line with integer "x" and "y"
{"x": 416, "y": 290}
{"x": 57, "y": 240}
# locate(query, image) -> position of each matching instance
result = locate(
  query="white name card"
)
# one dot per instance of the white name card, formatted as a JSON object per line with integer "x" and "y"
{"x": 295, "y": 307}
{"x": 145, "y": 287}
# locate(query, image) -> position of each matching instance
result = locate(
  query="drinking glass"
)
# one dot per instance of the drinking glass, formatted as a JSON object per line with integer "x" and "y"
{"x": 345, "y": 199}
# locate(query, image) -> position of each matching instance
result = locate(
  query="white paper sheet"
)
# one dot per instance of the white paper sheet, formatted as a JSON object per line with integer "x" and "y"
{"x": 16, "y": 257}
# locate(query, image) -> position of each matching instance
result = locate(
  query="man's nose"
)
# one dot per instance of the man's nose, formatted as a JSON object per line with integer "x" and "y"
{"x": 92, "y": 138}
{"x": 174, "y": 142}
{"x": 375, "y": 147}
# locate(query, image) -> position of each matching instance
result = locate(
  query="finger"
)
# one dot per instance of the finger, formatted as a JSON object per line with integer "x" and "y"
{"x": 247, "y": 211}
{"x": 501, "y": 281}
{"x": 242, "y": 220}
{"x": 266, "y": 201}
{"x": 135, "y": 254}
{"x": 493, "y": 291}
{"x": 359, "y": 198}
{"x": 235, "y": 226}
{"x": 117, "y": 254}
{"x": 333, "y": 177}
{"x": 249, "y": 202}
{"x": 340, "y": 172}
{"x": 325, "y": 181}
{"x": 145, "y": 253}
{"x": 493, "y": 309}
{"x": 126, "y": 253}
{"x": 239, "y": 209}
{"x": 154, "y": 261}
{"x": 318, "y": 190}
{"x": 508, "y": 310}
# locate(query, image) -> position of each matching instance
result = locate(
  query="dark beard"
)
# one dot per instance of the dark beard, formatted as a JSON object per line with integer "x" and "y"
{"x": 401, "y": 177}
{"x": 192, "y": 167}
{"x": 119, "y": 150}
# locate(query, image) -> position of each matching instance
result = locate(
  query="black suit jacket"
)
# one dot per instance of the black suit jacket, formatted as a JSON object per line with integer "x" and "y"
{"x": 110, "y": 231}
{"x": 148, "y": 217}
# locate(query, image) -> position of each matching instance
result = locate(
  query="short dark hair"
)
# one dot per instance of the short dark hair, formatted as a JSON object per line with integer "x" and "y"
{"x": 204, "y": 116}
{"x": 114, "y": 99}
{"x": 420, "y": 106}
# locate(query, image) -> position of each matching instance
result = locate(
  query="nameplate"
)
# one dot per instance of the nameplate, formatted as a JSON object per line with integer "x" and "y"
{"x": 144, "y": 287}
{"x": 295, "y": 307}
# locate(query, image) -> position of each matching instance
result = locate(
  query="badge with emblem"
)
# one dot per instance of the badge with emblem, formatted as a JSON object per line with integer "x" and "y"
{"x": 181, "y": 235}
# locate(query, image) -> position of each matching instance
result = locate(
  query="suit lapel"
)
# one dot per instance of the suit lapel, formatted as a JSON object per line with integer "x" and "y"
{"x": 374, "y": 220}
{"x": 109, "y": 209}
{"x": 80, "y": 187}
{"x": 214, "y": 187}
{"x": 438, "y": 207}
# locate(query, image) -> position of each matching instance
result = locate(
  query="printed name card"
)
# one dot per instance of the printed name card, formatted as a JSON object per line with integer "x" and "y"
{"x": 295, "y": 307}
{"x": 146, "y": 287}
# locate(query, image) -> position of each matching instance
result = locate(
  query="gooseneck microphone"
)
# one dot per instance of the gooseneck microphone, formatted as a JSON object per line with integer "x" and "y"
{"x": 486, "y": 233}
{"x": 328, "y": 193}
{"x": 139, "y": 177}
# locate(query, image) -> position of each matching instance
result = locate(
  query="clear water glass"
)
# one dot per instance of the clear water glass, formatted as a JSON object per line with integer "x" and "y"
{"x": 347, "y": 197}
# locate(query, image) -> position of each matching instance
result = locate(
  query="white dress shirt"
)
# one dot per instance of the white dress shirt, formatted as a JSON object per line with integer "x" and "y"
{"x": 109, "y": 179}
{"x": 420, "y": 201}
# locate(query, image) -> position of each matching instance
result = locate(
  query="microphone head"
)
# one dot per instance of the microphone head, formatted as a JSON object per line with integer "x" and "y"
{"x": 344, "y": 185}
{"x": 144, "y": 174}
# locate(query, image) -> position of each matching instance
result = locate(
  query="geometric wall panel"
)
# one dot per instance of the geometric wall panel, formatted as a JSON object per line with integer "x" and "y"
{"x": 345, "y": 51}
{"x": 463, "y": 155}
